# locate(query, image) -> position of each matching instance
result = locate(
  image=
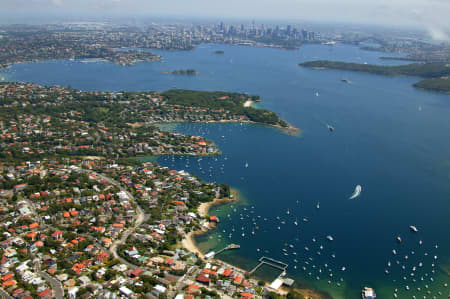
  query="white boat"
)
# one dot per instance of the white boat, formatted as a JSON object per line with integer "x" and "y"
{"x": 368, "y": 293}
{"x": 317, "y": 94}
{"x": 246, "y": 165}
{"x": 413, "y": 228}
{"x": 330, "y": 238}
{"x": 357, "y": 192}
{"x": 318, "y": 205}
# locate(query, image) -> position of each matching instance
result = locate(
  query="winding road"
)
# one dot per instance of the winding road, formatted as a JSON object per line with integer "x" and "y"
{"x": 55, "y": 284}
{"x": 140, "y": 218}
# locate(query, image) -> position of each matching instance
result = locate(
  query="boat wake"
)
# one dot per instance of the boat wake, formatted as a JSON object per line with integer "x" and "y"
{"x": 357, "y": 192}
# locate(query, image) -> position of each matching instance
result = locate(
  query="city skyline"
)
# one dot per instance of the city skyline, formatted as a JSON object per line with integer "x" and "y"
{"x": 430, "y": 15}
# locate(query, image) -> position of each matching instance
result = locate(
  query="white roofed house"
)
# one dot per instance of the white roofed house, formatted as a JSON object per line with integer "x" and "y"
{"x": 158, "y": 290}
{"x": 126, "y": 292}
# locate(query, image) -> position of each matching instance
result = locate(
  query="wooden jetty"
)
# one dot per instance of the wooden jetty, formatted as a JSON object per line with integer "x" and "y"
{"x": 212, "y": 254}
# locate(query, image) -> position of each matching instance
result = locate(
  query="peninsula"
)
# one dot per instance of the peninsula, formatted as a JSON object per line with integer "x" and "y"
{"x": 83, "y": 216}
{"x": 435, "y": 74}
{"x": 120, "y": 124}
{"x": 222, "y": 106}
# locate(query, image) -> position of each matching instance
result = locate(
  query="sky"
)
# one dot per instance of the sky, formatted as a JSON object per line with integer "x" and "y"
{"x": 432, "y": 15}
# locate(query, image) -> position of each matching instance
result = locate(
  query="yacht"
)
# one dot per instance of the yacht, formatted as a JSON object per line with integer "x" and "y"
{"x": 413, "y": 228}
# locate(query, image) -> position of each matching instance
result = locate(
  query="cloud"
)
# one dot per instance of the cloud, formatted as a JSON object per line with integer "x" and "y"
{"x": 438, "y": 34}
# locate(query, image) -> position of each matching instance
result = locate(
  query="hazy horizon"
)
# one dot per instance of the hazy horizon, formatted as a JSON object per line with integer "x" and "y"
{"x": 431, "y": 15}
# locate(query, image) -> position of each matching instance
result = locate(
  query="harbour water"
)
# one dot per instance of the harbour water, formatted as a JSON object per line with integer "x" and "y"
{"x": 389, "y": 138}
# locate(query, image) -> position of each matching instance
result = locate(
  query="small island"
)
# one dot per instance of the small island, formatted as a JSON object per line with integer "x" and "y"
{"x": 219, "y": 52}
{"x": 185, "y": 72}
{"x": 435, "y": 74}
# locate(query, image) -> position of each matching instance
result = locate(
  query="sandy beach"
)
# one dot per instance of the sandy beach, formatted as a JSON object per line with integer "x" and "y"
{"x": 310, "y": 294}
{"x": 248, "y": 103}
{"x": 189, "y": 243}
{"x": 203, "y": 208}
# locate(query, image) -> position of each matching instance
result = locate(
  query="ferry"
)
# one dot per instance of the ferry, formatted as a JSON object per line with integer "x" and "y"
{"x": 368, "y": 293}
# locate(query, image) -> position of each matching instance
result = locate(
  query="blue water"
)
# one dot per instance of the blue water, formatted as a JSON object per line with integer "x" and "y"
{"x": 389, "y": 137}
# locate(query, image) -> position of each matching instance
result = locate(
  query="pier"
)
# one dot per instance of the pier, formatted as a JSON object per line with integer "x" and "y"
{"x": 212, "y": 254}
{"x": 270, "y": 262}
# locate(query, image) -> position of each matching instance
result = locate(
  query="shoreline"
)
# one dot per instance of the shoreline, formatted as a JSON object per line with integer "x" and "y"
{"x": 290, "y": 129}
{"x": 190, "y": 245}
{"x": 80, "y": 59}
{"x": 188, "y": 241}
{"x": 204, "y": 207}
